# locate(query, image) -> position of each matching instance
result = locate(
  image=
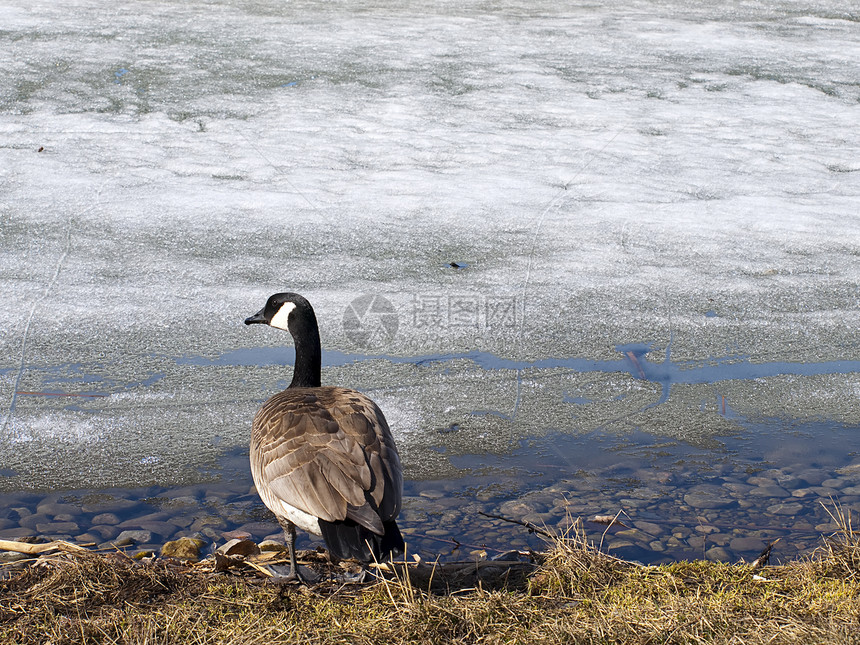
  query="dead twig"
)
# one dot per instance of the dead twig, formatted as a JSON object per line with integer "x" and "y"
{"x": 764, "y": 557}
{"x": 531, "y": 527}
{"x": 36, "y": 549}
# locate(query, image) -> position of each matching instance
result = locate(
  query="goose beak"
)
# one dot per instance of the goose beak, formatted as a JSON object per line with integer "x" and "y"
{"x": 257, "y": 318}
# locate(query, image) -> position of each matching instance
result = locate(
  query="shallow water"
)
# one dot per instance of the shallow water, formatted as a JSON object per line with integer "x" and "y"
{"x": 723, "y": 495}
{"x": 673, "y": 501}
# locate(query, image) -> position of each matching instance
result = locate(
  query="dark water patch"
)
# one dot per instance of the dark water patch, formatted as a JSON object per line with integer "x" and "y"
{"x": 88, "y": 379}
{"x": 634, "y": 361}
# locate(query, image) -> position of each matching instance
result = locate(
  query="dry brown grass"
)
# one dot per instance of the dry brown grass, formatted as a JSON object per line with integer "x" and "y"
{"x": 577, "y": 595}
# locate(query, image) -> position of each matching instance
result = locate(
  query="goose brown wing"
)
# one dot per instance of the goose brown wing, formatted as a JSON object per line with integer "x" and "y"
{"x": 360, "y": 418}
{"x": 323, "y": 451}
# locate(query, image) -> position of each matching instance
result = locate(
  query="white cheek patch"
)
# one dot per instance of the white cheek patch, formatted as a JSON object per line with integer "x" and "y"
{"x": 282, "y": 318}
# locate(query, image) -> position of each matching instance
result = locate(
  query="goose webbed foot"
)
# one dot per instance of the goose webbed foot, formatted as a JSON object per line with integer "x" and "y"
{"x": 295, "y": 574}
{"x": 292, "y": 576}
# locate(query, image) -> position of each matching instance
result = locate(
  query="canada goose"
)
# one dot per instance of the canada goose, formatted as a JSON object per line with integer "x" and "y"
{"x": 323, "y": 458}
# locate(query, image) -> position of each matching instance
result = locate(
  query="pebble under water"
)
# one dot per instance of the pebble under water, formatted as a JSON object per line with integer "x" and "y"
{"x": 673, "y": 501}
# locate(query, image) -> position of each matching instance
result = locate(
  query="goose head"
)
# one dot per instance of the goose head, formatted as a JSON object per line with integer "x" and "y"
{"x": 288, "y": 311}
{"x": 293, "y": 313}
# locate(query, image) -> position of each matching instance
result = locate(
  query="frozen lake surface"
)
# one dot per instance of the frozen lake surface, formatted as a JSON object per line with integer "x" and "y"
{"x": 587, "y": 258}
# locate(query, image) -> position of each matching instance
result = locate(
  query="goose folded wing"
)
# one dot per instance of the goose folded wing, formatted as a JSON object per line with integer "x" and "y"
{"x": 315, "y": 467}
{"x": 364, "y": 421}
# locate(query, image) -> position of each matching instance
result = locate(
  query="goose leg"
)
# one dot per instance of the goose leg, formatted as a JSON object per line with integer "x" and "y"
{"x": 290, "y": 534}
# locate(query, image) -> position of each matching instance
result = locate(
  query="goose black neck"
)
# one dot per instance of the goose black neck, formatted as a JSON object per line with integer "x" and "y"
{"x": 306, "y": 372}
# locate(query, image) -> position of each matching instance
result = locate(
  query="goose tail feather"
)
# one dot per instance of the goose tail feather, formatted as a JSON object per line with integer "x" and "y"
{"x": 347, "y": 539}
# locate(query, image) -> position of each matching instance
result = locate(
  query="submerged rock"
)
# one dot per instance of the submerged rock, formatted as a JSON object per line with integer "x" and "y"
{"x": 57, "y": 508}
{"x": 708, "y": 497}
{"x": 133, "y": 537}
{"x": 107, "y": 532}
{"x": 649, "y": 527}
{"x": 106, "y": 518}
{"x": 719, "y": 554}
{"x": 744, "y": 544}
{"x": 113, "y": 505}
{"x": 782, "y": 508}
{"x": 51, "y": 528}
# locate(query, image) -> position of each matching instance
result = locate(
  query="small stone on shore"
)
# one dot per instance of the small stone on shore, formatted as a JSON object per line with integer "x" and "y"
{"x": 184, "y": 548}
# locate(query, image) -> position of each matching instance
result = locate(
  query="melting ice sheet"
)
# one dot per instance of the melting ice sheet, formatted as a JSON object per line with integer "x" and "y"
{"x": 496, "y": 210}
